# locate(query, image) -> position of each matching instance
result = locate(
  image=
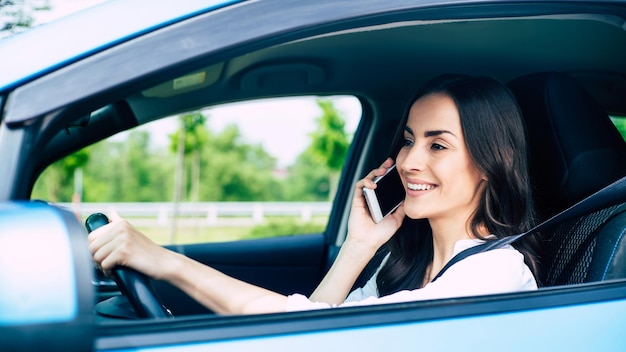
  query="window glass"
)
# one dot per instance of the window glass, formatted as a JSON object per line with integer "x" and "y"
{"x": 248, "y": 170}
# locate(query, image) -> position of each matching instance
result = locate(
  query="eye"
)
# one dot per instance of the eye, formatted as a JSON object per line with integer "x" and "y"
{"x": 437, "y": 146}
{"x": 407, "y": 142}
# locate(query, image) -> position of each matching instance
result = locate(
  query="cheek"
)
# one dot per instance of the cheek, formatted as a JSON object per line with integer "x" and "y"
{"x": 473, "y": 171}
{"x": 473, "y": 177}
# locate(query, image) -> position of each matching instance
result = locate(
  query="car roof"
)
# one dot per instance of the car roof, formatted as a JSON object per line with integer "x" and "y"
{"x": 28, "y": 55}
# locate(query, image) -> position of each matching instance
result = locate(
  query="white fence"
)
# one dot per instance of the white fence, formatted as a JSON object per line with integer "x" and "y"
{"x": 211, "y": 213}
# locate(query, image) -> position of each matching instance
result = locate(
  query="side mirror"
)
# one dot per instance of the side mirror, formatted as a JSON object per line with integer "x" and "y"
{"x": 46, "y": 294}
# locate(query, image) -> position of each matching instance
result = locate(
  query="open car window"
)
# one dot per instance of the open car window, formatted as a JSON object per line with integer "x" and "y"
{"x": 253, "y": 169}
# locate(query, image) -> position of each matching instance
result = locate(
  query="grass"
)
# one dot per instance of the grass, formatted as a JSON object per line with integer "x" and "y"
{"x": 232, "y": 229}
{"x": 186, "y": 235}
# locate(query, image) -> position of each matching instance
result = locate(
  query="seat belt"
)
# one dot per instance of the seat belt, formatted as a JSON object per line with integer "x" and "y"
{"x": 613, "y": 194}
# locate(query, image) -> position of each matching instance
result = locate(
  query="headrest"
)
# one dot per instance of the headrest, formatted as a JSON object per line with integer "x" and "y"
{"x": 574, "y": 148}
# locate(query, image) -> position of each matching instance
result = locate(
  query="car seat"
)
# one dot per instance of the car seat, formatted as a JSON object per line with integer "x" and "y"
{"x": 574, "y": 150}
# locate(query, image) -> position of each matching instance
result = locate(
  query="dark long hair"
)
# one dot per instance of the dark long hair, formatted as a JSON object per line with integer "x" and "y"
{"x": 494, "y": 133}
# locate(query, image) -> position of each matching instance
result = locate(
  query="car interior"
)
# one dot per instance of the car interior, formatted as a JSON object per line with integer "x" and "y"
{"x": 567, "y": 83}
{"x": 566, "y": 167}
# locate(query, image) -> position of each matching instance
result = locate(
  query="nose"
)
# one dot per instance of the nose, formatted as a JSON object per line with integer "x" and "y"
{"x": 411, "y": 159}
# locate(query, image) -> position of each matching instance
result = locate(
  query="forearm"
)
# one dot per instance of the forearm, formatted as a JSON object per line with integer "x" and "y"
{"x": 336, "y": 285}
{"x": 363, "y": 240}
{"x": 219, "y": 292}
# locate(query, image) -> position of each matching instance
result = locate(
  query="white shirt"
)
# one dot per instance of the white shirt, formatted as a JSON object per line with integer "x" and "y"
{"x": 495, "y": 271}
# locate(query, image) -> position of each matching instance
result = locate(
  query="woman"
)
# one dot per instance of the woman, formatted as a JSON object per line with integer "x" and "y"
{"x": 462, "y": 160}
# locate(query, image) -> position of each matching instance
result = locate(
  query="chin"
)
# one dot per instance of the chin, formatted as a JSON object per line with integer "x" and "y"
{"x": 415, "y": 215}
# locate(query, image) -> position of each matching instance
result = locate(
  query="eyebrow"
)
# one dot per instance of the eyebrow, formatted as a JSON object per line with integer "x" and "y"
{"x": 429, "y": 133}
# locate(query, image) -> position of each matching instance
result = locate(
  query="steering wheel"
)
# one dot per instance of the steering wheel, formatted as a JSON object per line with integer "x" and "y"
{"x": 132, "y": 284}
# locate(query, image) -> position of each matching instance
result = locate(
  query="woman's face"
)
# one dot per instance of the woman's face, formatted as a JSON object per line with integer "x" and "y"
{"x": 440, "y": 179}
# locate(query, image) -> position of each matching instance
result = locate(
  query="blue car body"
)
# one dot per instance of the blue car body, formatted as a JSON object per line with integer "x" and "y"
{"x": 46, "y": 296}
{"x": 37, "y": 52}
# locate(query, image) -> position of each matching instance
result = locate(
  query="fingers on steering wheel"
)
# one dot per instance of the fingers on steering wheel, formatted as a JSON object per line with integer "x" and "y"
{"x": 104, "y": 256}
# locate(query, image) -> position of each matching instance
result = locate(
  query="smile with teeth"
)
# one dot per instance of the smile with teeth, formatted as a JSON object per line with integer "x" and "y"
{"x": 419, "y": 186}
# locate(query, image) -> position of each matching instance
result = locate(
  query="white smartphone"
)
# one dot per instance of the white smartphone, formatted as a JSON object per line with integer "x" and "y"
{"x": 387, "y": 196}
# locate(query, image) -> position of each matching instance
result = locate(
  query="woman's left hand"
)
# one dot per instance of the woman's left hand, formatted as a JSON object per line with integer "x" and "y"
{"x": 119, "y": 243}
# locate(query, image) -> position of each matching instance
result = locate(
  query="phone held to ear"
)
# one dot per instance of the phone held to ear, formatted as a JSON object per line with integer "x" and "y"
{"x": 387, "y": 196}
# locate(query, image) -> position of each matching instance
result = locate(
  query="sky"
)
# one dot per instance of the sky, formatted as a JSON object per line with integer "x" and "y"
{"x": 286, "y": 121}
{"x": 256, "y": 120}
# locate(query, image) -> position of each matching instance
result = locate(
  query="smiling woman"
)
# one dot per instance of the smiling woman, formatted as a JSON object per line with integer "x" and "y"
{"x": 457, "y": 210}
{"x": 456, "y": 180}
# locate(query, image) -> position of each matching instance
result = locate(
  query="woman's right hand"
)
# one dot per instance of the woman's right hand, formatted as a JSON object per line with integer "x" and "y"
{"x": 363, "y": 240}
{"x": 363, "y": 232}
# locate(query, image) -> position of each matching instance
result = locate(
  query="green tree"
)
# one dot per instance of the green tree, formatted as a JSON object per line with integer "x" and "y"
{"x": 308, "y": 179}
{"x": 18, "y": 15}
{"x": 329, "y": 143}
{"x": 237, "y": 171}
{"x": 56, "y": 183}
{"x": 128, "y": 171}
{"x": 188, "y": 141}
{"x": 141, "y": 178}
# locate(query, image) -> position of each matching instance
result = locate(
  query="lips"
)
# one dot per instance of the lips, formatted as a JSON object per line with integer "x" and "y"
{"x": 420, "y": 186}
